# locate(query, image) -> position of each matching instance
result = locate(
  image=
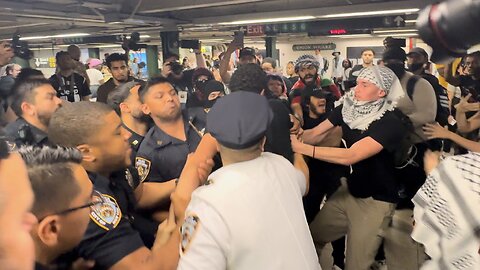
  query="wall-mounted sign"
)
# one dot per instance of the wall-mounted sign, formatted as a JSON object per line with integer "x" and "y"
{"x": 44, "y": 62}
{"x": 312, "y": 47}
{"x": 255, "y": 30}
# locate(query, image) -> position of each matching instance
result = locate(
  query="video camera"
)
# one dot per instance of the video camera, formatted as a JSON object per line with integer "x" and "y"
{"x": 450, "y": 28}
{"x": 132, "y": 43}
{"x": 20, "y": 48}
{"x": 176, "y": 67}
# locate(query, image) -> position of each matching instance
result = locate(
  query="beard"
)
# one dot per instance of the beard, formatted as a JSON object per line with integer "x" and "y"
{"x": 141, "y": 117}
{"x": 415, "y": 67}
{"x": 44, "y": 119}
{"x": 171, "y": 118}
{"x": 314, "y": 110}
{"x": 313, "y": 82}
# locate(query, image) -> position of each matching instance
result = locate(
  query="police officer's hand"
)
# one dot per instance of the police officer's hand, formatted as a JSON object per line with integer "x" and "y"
{"x": 165, "y": 229}
{"x": 82, "y": 264}
{"x": 204, "y": 170}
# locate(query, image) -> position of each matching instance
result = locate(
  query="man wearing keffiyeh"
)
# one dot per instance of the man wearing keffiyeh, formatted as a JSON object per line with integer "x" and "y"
{"x": 363, "y": 206}
{"x": 447, "y": 221}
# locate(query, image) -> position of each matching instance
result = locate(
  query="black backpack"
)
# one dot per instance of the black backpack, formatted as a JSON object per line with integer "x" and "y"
{"x": 405, "y": 151}
{"x": 443, "y": 109}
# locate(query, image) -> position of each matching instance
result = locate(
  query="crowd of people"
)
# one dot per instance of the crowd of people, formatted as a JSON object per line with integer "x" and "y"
{"x": 233, "y": 165}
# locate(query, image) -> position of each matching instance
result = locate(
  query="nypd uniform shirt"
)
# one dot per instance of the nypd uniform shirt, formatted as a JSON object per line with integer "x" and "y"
{"x": 36, "y": 136}
{"x": 68, "y": 91}
{"x": 135, "y": 140}
{"x": 162, "y": 157}
{"x": 109, "y": 236}
{"x": 249, "y": 216}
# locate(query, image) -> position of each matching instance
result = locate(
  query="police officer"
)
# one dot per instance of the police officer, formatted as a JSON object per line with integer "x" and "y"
{"x": 163, "y": 152}
{"x": 126, "y": 103}
{"x": 249, "y": 215}
{"x": 212, "y": 91}
{"x": 34, "y": 101}
{"x": 113, "y": 237}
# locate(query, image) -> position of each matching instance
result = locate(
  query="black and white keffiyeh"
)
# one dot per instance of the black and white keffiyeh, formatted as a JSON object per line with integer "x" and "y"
{"x": 447, "y": 214}
{"x": 360, "y": 114}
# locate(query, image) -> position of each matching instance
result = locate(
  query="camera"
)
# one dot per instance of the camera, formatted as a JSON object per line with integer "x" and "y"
{"x": 132, "y": 42}
{"x": 450, "y": 28}
{"x": 20, "y": 48}
{"x": 176, "y": 67}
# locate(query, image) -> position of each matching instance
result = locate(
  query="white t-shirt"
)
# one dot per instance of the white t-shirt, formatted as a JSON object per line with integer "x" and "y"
{"x": 250, "y": 217}
{"x": 95, "y": 76}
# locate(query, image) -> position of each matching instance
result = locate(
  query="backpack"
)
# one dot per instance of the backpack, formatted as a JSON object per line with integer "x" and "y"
{"x": 405, "y": 151}
{"x": 443, "y": 107}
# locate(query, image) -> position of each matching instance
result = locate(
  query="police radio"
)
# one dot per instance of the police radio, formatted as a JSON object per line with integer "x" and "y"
{"x": 25, "y": 135}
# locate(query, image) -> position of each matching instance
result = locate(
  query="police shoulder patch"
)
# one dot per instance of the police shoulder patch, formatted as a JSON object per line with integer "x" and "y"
{"x": 143, "y": 167}
{"x": 188, "y": 231}
{"x": 107, "y": 215}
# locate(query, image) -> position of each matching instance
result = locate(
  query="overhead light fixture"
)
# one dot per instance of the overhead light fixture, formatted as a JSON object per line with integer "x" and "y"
{"x": 109, "y": 46}
{"x": 269, "y": 20}
{"x": 370, "y": 13}
{"x": 351, "y": 36}
{"x": 410, "y": 21}
{"x": 399, "y": 35}
{"x": 394, "y": 31}
{"x": 56, "y": 36}
{"x": 145, "y": 36}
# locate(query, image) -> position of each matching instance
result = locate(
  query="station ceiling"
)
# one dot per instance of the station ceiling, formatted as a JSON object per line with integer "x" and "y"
{"x": 208, "y": 20}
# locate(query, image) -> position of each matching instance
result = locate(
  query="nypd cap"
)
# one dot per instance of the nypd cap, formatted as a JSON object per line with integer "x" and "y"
{"x": 239, "y": 120}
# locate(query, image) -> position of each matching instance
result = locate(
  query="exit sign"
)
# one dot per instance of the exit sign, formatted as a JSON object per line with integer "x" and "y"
{"x": 338, "y": 32}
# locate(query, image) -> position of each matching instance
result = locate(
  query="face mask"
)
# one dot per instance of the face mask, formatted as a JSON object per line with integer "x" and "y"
{"x": 200, "y": 85}
{"x": 415, "y": 67}
{"x": 209, "y": 103}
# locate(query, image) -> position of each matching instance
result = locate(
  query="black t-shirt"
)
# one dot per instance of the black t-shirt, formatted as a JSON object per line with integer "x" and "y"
{"x": 374, "y": 176}
{"x": 67, "y": 91}
{"x": 278, "y": 133}
{"x": 109, "y": 86}
{"x": 109, "y": 236}
{"x": 324, "y": 176}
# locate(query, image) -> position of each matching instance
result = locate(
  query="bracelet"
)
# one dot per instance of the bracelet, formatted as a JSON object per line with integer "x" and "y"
{"x": 313, "y": 156}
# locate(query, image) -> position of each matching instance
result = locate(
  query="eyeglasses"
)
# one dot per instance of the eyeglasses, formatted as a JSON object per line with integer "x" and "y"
{"x": 97, "y": 199}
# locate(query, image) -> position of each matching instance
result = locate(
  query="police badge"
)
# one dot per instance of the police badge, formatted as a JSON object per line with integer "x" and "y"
{"x": 187, "y": 231}
{"x": 107, "y": 215}
{"x": 143, "y": 167}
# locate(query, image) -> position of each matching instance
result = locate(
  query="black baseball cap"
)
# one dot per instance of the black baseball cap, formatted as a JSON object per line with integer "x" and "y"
{"x": 418, "y": 50}
{"x": 247, "y": 51}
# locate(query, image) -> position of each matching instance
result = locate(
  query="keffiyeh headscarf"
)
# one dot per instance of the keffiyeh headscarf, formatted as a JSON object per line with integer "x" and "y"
{"x": 360, "y": 114}
{"x": 447, "y": 217}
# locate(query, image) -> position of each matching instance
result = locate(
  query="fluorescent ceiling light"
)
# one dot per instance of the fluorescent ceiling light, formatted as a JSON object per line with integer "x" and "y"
{"x": 394, "y": 31}
{"x": 399, "y": 35}
{"x": 270, "y": 20}
{"x": 410, "y": 21}
{"x": 108, "y": 46}
{"x": 56, "y": 36}
{"x": 370, "y": 13}
{"x": 350, "y": 36}
{"x": 144, "y": 36}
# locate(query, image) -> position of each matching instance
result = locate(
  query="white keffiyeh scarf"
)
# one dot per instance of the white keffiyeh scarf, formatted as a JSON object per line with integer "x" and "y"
{"x": 360, "y": 114}
{"x": 447, "y": 214}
